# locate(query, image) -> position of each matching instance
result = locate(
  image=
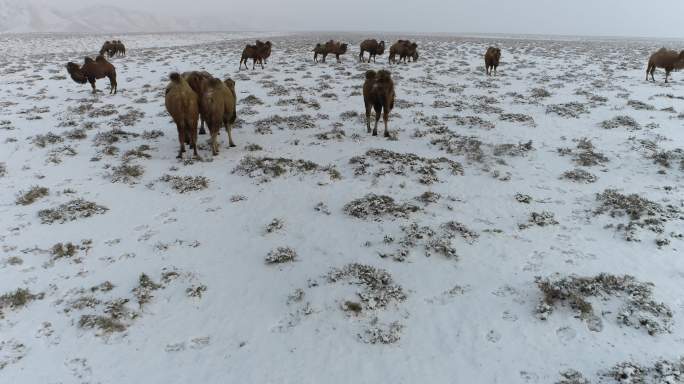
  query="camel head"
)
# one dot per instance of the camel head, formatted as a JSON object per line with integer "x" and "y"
{"x": 75, "y": 73}
{"x": 381, "y": 48}
{"x": 343, "y": 48}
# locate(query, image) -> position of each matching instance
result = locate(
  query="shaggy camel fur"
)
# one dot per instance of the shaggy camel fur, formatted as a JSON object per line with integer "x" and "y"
{"x": 378, "y": 93}
{"x": 491, "y": 58}
{"x": 258, "y": 53}
{"x": 405, "y": 49}
{"x": 373, "y": 48}
{"x": 330, "y": 48}
{"x": 218, "y": 109}
{"x": 93, "y": 70}
{"x": 199, "y": 82}
{"x": 181, "y": 103}
{"x": 666, "y": 59}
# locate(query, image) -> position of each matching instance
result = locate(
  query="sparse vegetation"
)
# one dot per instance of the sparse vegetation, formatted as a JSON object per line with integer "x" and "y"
{"x": 73, "y": 210}
{"x": 640, "y": 212}
{"x": 374, "y": 206}
{"x": 281, "y": 255}
{"x": 184, "y": 184}
{"x": 33, "y": 194}
{"x": 639, "y": 309}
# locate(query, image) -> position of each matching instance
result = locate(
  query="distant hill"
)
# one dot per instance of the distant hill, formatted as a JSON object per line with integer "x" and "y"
{"x": 21, "y": 16}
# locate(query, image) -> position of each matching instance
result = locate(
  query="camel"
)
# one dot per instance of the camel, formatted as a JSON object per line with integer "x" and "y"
{"x": 378, "y": 93}
{"x": 330, "y": 47}
{"x": 199, "y": 82}
{"x": 219, "y": 109}
{"x": 119, "y": 48}
{"x": 93, "y": 70}
{"x": 405, "y": 49}
{"x": 108, "y": 48}
{"x": 265, "y": 49}
{"x": 666, "y": 59}
{"x": 181, "y": 103}
{"x": 492, "y": 57}
{"x": 258, "y": 53}
{"x": 373, "y": 48}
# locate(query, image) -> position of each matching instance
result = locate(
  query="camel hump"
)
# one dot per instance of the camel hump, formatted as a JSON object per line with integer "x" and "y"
{"x": 384, "y": 75}
{"x": 214, "y": 82}
{"x": 370, "y": 74}
{"x": 230, "y": 83}
{"x": 88, "y": 60}
{"x": 175, "y": 77}
{"x": 100, "y": 59}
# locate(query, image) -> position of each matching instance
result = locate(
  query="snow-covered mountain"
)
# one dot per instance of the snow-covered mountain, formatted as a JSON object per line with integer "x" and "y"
{"x": 24, "y": 17}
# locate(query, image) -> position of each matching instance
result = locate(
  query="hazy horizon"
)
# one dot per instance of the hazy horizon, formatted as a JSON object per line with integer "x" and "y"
{"x": 607, "y": 18}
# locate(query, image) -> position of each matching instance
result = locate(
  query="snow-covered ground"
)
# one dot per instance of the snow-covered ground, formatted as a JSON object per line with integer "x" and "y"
{"x": 420, "y": 259}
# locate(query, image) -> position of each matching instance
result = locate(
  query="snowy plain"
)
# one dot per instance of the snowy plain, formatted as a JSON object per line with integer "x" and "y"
{"x": 497, "y": 184}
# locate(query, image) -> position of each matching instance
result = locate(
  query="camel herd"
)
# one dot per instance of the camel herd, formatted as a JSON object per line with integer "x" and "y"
{"x": 194, "y": 95}
{"x": 197, "y": 96}
{"x": 113, "y": 48}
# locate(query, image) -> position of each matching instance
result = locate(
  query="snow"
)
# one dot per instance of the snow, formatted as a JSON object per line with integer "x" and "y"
{"x": 222, "y": 313}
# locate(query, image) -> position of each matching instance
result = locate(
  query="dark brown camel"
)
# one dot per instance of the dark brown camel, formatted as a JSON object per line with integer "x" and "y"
{"x": 492, "y": 58}
{"x": 378, "y": 93}
{"x": 373, "y": 48}
{"x": 666, "y": 59}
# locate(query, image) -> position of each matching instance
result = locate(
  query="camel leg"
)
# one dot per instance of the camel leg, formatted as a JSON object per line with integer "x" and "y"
{"x": 385, "y": 118}
{"x": 229, "y": 131}
{"x": 202, "y": 131}
{"x": 261, "y": 61}
{"x": 667, "y": 74}
{"x": 92, "y": 84}
{"x": 113, "y": 87}
{"x": 214, "y": 141}
{"x": 377, "y": 119}
{"x": 181, "y": 141}
{"x": 368, "y": 112}
{"x": 193, "y": 140}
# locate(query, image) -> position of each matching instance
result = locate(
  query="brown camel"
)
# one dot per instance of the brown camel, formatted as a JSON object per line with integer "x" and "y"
{"x": 491, "y": 58}
{"x": 373, "y": 48}
{"x": 666, "y": 59}
{"x": 119, "y": 48}
{"x": 265, "y": 49}
{"x": 108, "y": 48}
{"x": 405, "y": 49}
{"x": 181, "y": 103}
{"x": 219, "y": 109}
{"x": 258, "y": 53}
{"x": 199, "y": 82}
{"x": 330, "y": 48}
{"x": 378, "y": 93}
{"x": 93, "y": 70}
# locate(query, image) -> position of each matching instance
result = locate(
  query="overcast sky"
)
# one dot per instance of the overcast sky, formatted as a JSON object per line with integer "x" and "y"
{"x": 648, "y": 18}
